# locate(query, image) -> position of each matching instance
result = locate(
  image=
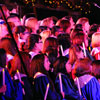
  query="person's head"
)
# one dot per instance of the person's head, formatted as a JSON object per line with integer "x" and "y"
{"x": 85, "y": 23}
{"x": 70, "y": 20}
{"x": 82, "y": 67}
{"x": 56, "y": 30}
{"x": 77, "y": 37}
{"x": 65, "y": 25}
{"x": 60, "y": 65}
{"x": 47, "y": 22}
{"x": 33, "y": 42}
{"x": 2, "y": 58}
{"x": 45, "y": 34}
{"x": 96, "y": 68}
{"x": 39, "y": 63}
{"x": 23, "y": 32}
{"x": 32, "y": 23}
{"x": 75, "y": 53}
{"x": 14, "y": 19}
{"x": 26, "y": 16}
{"x": 50, "y": 47}
{"x": 95, "y": 41}
{"x": 64, "y": 40}
{"x": 17, "y": 64}
{"x": 8, "y": 45}
{"x": 3, "y": 30}
{"x": 93, "y": 28}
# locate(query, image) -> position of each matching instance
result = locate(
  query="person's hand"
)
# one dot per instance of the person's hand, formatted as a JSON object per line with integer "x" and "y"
{"x": 3, "y": 89}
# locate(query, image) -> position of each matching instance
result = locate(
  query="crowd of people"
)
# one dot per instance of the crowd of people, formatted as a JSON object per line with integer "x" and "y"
{"x": 55, "y": 59}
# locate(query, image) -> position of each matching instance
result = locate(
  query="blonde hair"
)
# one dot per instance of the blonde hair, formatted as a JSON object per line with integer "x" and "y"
{"x": 32, "y": 23}
{"x": 82, "y": 21}
{"x": 95, "y": 39}
{"x": 45, "y": 34}
{"x": 46, "y": 21}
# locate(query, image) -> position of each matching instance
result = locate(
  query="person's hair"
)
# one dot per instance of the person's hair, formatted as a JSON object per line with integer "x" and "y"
{"x": 78, "y": 27}
{"x": 96, "y": 68}
{"x": 82, "y": 67}
{"x": 26, "y": 16}
{"x": 31, "y": 41}
{"x": 50, "y": 47}
{"x": 2, "y": 58}
{"x": 82, "y": 21}
{"x": 21, "y": 29}
{"x": 8, "y": 45}
{"x": 64, "y": 24}
{"x": 64, "y": 40}
{"x": 50, "y": 42}
{"x": 46, "y": 21}
{"x": 59, "y": 65}
{"x": 16, "y": 63}
{"x": 72, "y": 53}
{"x": 13, "y": 16}
{"x": 31, "y": 22}
{"x": 55, "y": 29}
{"x": 37, "y": 65}
{"x": 95, "y": 41}
{"x": 42, "y": 28}
{"x": 77, "y": 37}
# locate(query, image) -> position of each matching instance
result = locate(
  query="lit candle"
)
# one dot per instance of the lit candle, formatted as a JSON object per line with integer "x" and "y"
{"x": 19, "y": 75}
{"x": 3, "y": 75}
{"x": 84, "y": 49}
{"x": 61, "y": 89}
{"x": 78, "y": 85}
{"x": 62, "y": 50}
{"x": 46, "y": 93}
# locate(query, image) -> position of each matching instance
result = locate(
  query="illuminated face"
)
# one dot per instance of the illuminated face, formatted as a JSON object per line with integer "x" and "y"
{"x": 46, "y": 63}
{"x": 15, "y": 20}
{"x": 3, "y": 30}
{"x": 68, "y": 67}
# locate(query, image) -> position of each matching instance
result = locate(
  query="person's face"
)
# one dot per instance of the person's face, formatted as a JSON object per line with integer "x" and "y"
{"x": 87, "y": 26}
{"x": 39, "y": 45}
{"x": 3, "y": 31}
{"x": 68, "y": 67}
{"x": 24, "y": 35}
{"x": 46, "y": 63}
{"x": 15, "y": 20}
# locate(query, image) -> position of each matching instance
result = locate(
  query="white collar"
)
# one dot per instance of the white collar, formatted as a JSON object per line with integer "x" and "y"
{"x": 83, "y": 80}
{"x": 38, "y": 74}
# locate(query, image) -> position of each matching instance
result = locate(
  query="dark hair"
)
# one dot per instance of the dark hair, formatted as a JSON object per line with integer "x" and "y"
{"x": 21, "y": 29}
{"x": 64, "y": 40}
{"x": 16, "y": 63}
{"x": 96, "y": 68}
{"x": 31, "y": 41}
{"x": 59, "y": 65}
{"x": 64, "y": 24}
{"x": 55, "y": 29}
{"x": 42, "y": 28}
{"x": 2, "y": 58}
{"x": 37, "y": 65}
